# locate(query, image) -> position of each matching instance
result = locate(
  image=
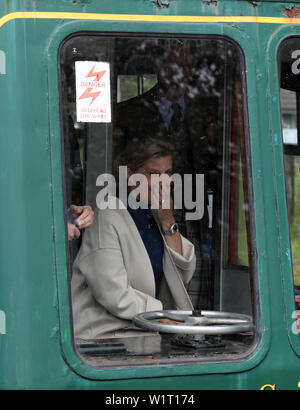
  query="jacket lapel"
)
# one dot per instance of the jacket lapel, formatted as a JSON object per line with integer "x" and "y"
{"x": 147, "y": 276}
{"x": 173, "y": 277}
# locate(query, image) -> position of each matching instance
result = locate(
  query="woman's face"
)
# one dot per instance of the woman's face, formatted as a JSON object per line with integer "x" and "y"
{"x": 153, "y": 169}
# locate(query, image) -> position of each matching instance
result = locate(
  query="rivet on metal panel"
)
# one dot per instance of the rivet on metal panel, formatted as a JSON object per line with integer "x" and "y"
{"x": 253, "y": 3}
{"x": 161, "y": 3}
{"x": 210, "y": 2}
{"x": 80, "y": 1}
{"x": 292, "y": 12}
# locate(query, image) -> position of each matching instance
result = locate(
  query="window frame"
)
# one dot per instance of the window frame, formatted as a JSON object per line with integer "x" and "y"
{"x": 287, "y": 270}
{"x": 236, "y": 365}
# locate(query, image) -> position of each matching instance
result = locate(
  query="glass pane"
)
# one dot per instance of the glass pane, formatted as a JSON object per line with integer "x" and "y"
{"x": 130, "y": 86}
{"x": 136, "y": 109}
{"x": 288, "y": 61}
{"x": 127, "y": 87}
{"x": 238, "y": 226}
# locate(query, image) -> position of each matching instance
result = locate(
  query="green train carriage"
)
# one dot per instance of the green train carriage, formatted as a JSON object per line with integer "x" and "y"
{"x": 245, "y": 79}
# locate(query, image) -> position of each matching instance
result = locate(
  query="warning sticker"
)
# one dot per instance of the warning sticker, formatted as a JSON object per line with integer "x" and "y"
{"x": 93, "y": 91}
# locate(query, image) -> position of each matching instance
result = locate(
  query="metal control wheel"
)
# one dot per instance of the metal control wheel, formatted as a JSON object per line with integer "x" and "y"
{"x": 204, "y": 322}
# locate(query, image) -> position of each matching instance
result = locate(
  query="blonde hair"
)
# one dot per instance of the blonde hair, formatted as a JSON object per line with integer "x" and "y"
{"x": 135, "y": 155}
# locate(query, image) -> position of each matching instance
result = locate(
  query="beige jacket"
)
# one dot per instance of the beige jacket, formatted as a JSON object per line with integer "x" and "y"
{"x": 113, "y": 278}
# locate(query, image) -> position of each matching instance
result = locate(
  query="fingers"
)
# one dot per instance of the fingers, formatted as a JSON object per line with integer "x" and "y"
{"x": 86, "y": 216}
{"x": 76, "y": 209}
{"x": 166, "y": 198}
{"x": 169, "y": 322}
{"x": 161, "y": 197}
{"x": 73, "y": 232}
{"x": 86, "y": 219}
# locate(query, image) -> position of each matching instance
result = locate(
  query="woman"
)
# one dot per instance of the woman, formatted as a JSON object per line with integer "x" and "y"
{"x": 131, "y": 260}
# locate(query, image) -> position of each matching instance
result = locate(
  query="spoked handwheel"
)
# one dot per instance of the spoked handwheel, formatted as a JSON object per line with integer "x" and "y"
{"x": 205, "y": 322}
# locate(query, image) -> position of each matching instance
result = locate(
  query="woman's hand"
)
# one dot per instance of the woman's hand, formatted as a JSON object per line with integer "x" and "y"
{"x": 169, "y": 322}
{"x": 83, "y": 217}
{"x": 73, "y": 232}
{"x": 161, "y": 200}
{"x": 161, "y": 196}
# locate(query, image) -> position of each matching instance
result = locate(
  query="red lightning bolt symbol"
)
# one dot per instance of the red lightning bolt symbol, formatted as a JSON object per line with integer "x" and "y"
{"x": 97, "y": 75}
{"x": 87, "y": 93}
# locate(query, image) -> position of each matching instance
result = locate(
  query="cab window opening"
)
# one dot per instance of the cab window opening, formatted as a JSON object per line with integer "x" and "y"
{"x": 288, "y": 62}
{"x": 151, "y": 82}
